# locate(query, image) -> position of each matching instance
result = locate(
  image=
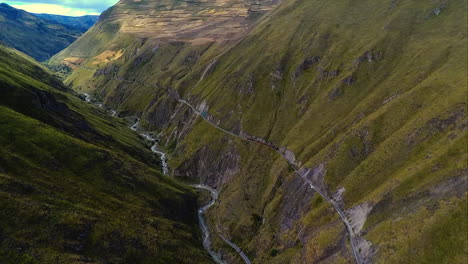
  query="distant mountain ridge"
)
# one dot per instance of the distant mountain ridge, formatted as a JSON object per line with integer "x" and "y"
{"x": 82, "y": 23}
{"x": 39, "y": 36}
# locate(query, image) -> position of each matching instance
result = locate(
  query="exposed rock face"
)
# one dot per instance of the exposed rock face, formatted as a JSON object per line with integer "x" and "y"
{"x": 358, "y": 119}
{"x": 358, "y": 216}
{"x": 296, "y": 203}
{"x": 212, "y": 167}
{"x": 198, "y": 21}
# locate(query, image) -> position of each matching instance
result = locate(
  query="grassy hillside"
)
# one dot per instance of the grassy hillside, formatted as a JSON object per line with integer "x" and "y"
{"x": 381, "y": 105}
{"x": 39, "y": 37}
{"x": 77, "y": 186}
{"x": 370, "y": 95}
{"x": 158, "y": 23}
{"x": 82, "y": 23}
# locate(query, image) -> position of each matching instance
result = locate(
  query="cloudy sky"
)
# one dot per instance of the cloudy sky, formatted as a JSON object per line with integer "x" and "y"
{"x": 63, "y": 7}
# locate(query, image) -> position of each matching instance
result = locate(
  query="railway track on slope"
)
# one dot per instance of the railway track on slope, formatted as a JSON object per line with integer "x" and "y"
{"x": 353, "y": 237}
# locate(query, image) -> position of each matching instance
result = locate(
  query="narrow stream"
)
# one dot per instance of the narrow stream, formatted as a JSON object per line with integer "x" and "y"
{"x": 353, "y": 237}
{"x": 201, "y": 211}
{"x": 204, "y": 226}
{"x": 154, "y": 148}
{"x": 87, "y": 97}
{"x": 134, "y": 127}
{"x": 206, "y": 230}
{"x": 161, "y": 154}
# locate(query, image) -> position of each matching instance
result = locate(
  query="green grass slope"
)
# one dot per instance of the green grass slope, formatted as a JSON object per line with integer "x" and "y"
{"x": 161, "y": 27}
{"x": 372, "y": 92}
{"x": 77, "y": 186}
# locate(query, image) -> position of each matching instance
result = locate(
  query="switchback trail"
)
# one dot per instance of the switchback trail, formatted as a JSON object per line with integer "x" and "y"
{"x": 302, "y": 172}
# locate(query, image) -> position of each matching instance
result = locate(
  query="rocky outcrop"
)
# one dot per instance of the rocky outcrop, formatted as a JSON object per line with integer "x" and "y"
{"x": 212, "y": 166}
{"x": 295, "y": 203}
{"x": 366, "y": 120}
{"x": 196, "y": 21}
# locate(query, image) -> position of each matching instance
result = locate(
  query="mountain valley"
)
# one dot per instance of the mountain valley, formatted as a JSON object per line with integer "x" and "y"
{"x": 78, "y": 187}
{"x": 38, "y": 35}
{"x": 325, "y": 132}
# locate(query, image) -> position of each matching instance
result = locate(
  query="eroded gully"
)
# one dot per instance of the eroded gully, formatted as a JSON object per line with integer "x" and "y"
{"x": 202, "y": 210}
{"x": 302, "y": 172}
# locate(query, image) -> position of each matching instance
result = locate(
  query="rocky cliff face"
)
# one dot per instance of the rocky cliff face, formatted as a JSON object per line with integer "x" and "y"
{"x": 198, "y": 22}
{"x": 372, "y": 115}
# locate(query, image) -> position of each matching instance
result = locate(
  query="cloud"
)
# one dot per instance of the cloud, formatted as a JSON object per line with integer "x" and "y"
{"x": 63, "y": 7}
{"x": 54, "y": 9}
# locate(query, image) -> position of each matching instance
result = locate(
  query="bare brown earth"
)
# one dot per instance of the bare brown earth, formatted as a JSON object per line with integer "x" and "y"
{"x": 197, "y": 21}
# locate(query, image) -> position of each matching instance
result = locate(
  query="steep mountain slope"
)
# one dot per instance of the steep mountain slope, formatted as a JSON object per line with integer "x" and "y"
{"x": 38, "y": 37}
{"x": 78, "y": 187}
{"x": 164, "y": 25}
{"x": 367, "y": 100}
{"x": 82, "y": 23}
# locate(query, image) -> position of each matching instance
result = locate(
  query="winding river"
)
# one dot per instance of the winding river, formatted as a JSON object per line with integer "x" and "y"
{"x": 204, "y": 226}
{"x": 202, "y": 210}
{"x": 355, "y": 240}
{"x": 154, "y": 148}
{"x": 206, "y": 231}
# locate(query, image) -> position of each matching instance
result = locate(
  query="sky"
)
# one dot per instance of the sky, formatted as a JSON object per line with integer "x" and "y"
{"x": 63, "y": 7}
